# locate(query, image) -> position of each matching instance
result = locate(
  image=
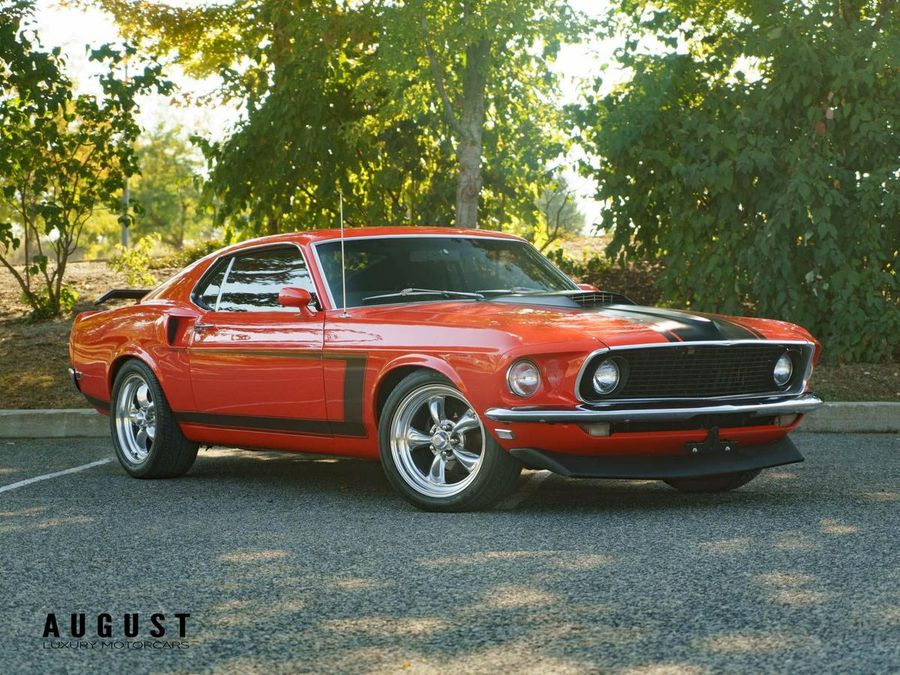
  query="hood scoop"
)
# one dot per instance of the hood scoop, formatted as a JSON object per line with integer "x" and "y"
{"x": 566, "y": 299}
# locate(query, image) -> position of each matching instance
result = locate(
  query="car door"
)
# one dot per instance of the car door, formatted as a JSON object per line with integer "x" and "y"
{"x": 255, "y": 364}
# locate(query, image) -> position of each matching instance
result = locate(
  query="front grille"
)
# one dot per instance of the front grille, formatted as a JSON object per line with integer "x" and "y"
{"x": 685, "y": 371}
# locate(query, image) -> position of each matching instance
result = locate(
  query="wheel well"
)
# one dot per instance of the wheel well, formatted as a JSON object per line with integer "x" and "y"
{"x": 117, "y": 366}
{"x": 390, "y": 381}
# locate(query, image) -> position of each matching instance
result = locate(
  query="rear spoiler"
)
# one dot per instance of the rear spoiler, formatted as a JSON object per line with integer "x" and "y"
{"x": 122, "y": 294}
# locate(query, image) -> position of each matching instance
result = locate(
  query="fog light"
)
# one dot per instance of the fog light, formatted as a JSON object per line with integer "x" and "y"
{"x": 606, "y": 377}
{"x": 785, "y": 420}
{"x": 597, "y": 429}
{"x": 784, "y": 368}
{"x": 523, "y": 378}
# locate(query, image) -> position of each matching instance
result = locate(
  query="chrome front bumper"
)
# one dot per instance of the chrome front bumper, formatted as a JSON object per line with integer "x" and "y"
{"x": 583, "y": 414}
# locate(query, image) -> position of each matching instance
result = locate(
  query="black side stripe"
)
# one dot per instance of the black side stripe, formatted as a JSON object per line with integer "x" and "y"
{"x": 351, "y": 426}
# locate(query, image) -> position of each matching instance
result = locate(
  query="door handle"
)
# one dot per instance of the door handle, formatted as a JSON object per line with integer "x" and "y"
{"x": 200, "y": 327}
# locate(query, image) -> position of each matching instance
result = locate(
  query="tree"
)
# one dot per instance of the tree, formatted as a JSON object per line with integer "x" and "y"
{"x": 166, "y": 191}
{"x": 399, "y": 106}
{"x": 559, "y": 214}
{"x": 61, "y": 155}
{"x": 756, "y": 150}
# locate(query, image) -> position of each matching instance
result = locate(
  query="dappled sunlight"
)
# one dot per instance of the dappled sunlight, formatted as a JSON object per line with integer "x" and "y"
{"x": 246, "y": 556}
{"x": 664, "y": 669}
{"x": 388, "y": 625}
{"x": 792, "y": 588}
{"x": 795, "y": 540}
{"x": 46, "y": 524}
{"x": 799, "y": 596}
{"x": 751, "y": 642}
{"x": 564, "y": 560}
{"x": 785, "y": 579}
{"x": 737, "y": 545}
{"x": 31, "y": 511}
{"x": 582, "y": 562}
{"x": 831, "y": 526}
{"x": 780, "y": 475}
{"x": 484, "y": 556}
{"x": 882, "y": 496}
{"x": 512, "y": 597}
{"x": 358, "y": 584}
{"x": 887, "y": 615}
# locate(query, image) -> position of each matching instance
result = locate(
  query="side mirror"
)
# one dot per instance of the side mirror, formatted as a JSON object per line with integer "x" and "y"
{"x": 588, "y": 287}
{"x": 296, "y": 297}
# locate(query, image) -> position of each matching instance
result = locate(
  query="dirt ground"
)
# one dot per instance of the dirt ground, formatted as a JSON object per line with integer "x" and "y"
{"x": 34, "y": 356}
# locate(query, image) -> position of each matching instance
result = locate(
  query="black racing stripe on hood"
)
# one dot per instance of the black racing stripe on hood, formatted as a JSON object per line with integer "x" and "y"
{"x": 684, "y": 326}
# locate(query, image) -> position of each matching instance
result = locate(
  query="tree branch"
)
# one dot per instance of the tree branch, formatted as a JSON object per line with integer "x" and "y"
{"x": 438, "y": 76}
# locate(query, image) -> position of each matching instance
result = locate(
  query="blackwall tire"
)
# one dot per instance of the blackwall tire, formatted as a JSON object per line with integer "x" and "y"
{"x": 145, "y": 435}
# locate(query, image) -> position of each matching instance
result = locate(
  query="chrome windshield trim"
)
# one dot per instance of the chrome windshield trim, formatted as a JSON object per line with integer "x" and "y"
{"x": 700, "y": 343}
{"x": 583, "y": 414}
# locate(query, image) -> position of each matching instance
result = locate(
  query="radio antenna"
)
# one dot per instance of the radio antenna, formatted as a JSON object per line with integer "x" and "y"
{"x": 343, "y": 265}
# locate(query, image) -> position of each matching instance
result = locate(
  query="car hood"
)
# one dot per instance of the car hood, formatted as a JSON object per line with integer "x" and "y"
{"x": 526, "y": 320}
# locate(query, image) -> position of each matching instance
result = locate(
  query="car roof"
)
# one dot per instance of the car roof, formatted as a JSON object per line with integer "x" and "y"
{"x": 316, "y": 236}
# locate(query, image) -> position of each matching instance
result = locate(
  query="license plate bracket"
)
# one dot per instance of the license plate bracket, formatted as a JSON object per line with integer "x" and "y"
{"x": 712, "y": 445}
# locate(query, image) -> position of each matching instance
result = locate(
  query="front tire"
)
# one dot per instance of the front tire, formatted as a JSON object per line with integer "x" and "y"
{"x": 719, "y": 483}
{"x": 436, "y": 452}
{"x": 146, "y": 437}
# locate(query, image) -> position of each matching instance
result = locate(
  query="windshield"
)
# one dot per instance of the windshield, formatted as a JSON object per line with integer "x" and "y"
{"x": 386, "y": 266}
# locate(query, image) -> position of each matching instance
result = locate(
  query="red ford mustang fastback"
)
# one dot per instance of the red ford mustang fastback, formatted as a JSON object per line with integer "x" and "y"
{"x": 456, "y": 357}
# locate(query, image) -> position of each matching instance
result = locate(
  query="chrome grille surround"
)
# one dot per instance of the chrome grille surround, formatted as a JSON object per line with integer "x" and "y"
{"x": 738, "y": 364}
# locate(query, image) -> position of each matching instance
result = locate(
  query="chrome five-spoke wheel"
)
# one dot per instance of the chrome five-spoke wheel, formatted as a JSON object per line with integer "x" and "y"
{"x": 436, "y": 452}
{"x": 135, "y": 418}
{"x": 437, "y": 441}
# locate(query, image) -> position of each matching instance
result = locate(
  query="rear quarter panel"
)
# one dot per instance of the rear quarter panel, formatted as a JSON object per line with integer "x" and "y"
{"x": 101, "y": 341}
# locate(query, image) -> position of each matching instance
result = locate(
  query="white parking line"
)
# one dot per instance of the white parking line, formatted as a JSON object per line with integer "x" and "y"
{"x": 48, "y": 476}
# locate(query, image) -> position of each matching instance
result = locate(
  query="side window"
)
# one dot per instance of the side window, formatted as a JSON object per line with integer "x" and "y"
{"x": 207, "y": 293}
{"x": 255, "y": 279}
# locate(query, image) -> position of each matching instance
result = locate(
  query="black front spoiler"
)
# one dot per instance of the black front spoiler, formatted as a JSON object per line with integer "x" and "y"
{"x": 684, "y": 465}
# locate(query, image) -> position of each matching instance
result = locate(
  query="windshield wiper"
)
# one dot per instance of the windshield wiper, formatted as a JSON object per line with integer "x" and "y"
{"x": 414, "y": 292}
{"x": 515, "y": 290}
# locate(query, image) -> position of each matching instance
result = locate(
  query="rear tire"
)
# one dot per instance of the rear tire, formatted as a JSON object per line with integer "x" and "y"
{"x": 722, "y": 482}
{"x": 436, "y": 452}
{"x": 146, "y": 437}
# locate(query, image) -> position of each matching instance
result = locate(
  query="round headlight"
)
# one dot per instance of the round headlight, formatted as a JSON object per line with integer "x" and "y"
{"x": 784, "y": 368}
{"x": 606, "y": 377}
{"x": 523, "y": 378}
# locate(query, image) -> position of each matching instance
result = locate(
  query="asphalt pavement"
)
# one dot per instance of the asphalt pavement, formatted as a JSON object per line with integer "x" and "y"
{"x": 291, "y": 564}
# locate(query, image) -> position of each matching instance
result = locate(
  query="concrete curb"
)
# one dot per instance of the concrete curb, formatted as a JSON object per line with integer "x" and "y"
{"x": 854, "y": 417}
{"x": 76, "y": 423}
{"x": 851, "y": 417}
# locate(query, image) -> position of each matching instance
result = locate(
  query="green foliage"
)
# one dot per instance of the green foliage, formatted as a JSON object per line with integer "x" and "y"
{"x": 189, "y": 254}
{"x": 62, "y": 155}
{"x": 135, "y": 262}
{"x": 44, "y": 307}
{"x": 167, "y": 191}
{"x": 757, "y": 153}
{"x": 558, "y": 215}
{"x": 343, "y": 98}
{"x": 636, "y": 279}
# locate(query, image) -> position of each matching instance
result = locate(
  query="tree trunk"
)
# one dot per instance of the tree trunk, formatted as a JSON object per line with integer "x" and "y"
{"x": 469, "y": 148}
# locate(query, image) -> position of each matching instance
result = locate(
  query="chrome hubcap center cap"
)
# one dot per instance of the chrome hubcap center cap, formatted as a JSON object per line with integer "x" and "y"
{"x": 440, "y": 440}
